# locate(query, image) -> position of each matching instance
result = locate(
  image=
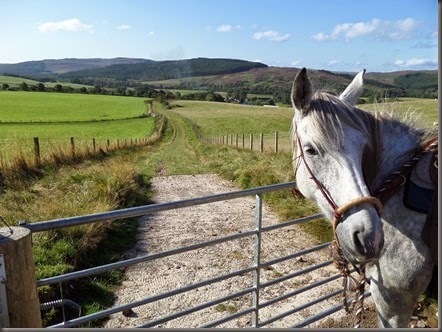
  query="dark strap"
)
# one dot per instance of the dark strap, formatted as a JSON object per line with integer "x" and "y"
{"x": 429, "y": 232}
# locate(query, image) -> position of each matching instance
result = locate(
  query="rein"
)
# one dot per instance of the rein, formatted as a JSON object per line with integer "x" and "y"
{"x": 389, "y": 187}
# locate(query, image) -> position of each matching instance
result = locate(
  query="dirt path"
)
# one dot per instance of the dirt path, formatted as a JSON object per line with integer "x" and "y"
{"x": 175, "y": 228}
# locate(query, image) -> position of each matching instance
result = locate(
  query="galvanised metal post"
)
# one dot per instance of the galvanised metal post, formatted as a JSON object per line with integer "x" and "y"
{"x": 257, "y": 260}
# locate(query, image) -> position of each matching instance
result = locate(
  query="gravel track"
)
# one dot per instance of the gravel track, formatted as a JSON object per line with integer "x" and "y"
{"x": 185, "y": 226}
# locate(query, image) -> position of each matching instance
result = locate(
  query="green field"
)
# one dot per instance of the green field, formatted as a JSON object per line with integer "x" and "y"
{"x": 13, "y": 81}
{"x": 426, "y": 108}
{"x": 134, "y": 128}
{"x": 56, "y": 117}
{"x": 45, "y": 106}
{"x": 222, "y": 118}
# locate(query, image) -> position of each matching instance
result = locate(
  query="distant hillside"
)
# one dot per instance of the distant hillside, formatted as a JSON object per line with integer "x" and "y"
{"x": 217, "y": 75}
{"x": 161, "y": 70}
{"x": 278, "y": 81}
{"x": 69, "y": 65}
{"x": 52, "y": 67}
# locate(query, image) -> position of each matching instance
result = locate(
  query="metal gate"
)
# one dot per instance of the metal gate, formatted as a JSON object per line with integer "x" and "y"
{"x": 257, "y": 304}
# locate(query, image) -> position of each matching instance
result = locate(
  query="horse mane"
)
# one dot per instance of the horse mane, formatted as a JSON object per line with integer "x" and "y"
{"x": 328, "y": 113}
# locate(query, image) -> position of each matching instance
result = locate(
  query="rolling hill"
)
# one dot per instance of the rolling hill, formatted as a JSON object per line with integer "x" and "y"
{"x": 126, "y": 68}
{"x": 218, "y": 75}
{"x": 53, "y": 67}
{"x": 278, "y": 80}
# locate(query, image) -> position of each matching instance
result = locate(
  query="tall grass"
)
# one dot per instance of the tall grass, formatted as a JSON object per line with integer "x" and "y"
{"x": 90, "y": 187}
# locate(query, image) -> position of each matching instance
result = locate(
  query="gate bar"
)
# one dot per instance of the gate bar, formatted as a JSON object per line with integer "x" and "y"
{"x": 147, "y": 209}
{"x": 257, "y": 261}
{"x": 154, "y": 298}
{"x": 302, "y": 307}
{"x": 198, "y": 307}
{"x": 299, "y": 291}
{"x": 140, "y": 259}
{"x": 325, "y": 313}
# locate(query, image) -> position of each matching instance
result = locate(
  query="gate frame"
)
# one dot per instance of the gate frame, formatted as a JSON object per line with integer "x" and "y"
{"x": 257, "y": 231}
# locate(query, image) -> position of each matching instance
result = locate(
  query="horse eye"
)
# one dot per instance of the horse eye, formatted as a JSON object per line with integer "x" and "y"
{"x": 310, "y": 151}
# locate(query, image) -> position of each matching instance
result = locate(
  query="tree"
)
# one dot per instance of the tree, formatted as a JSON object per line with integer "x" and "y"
{"x": 41, "y": 87}
{"x": 5, "y": 86}
{"x": 23, "y": 86}
{"x": 58, "y": 88}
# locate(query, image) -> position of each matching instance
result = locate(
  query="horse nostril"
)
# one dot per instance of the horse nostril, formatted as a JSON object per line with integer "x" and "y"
{"x": 358, "y": 243}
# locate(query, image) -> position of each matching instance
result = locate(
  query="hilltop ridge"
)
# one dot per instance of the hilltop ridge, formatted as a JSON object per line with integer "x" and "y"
{"x": 216, "y": 74}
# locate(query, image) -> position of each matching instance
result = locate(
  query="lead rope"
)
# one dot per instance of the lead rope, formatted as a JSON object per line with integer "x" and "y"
{"x": 349, "y": 283}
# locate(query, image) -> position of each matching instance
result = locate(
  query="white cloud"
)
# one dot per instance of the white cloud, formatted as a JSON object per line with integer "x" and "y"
{"x": 151, "y": 34}
{"x": 72, "y": 24}
{"x": 397, "y": 30}
{"x": 123, "y": 27}
{"x": 227, "y": 28}
{"x": 333, "y": 62}
{"x": 296, "y": 62}
{"x": 415, "y": 63}
{"x": 271, "y": 35}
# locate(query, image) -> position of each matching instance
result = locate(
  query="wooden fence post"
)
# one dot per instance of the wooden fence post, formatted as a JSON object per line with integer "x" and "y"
{"x": 37, "y": 151}
{"x": 261, "y": 142}
{"x": 251, "y": 142}
{"x": 236, "y": 140}
{"x": 94, "y": 145}
{"x": 19, "y": 278}
{"x": 108, "y": 145}
{"x": 243, "y": 136}
{"x": 276, "y": 142}
{"x": 73, "y": 147}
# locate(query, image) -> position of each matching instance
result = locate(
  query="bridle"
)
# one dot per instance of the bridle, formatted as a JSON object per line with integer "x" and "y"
{"x": 339, "y": 261}
{"x": 338, "y": 211}
{"x": 389, "y": 187}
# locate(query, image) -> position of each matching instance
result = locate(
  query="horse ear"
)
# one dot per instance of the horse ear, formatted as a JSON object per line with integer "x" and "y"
{"x": 354, "y": 90}
{"x": 302, "y": 91}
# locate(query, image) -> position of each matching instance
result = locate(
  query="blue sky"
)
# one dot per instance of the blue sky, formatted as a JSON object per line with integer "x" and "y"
{"x": 337, "y": 35}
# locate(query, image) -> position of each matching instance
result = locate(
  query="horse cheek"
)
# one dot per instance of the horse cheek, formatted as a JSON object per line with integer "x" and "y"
{"x": 305, "y": 184}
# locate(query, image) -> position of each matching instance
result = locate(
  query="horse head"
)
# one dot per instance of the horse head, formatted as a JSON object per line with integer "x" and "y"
{"x": 334, "y": 142}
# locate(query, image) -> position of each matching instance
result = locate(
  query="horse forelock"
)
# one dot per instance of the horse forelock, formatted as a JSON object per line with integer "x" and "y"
{"x": 328, "y": 114}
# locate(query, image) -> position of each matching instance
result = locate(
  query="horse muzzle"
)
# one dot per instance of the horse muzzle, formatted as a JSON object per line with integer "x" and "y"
{"x": 358, "y": 230}
{"x": 363, "y": 248}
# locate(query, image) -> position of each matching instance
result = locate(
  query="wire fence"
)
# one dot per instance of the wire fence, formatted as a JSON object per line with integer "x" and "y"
{"x": 38, "y": 150}
{"x": 261, "y": 142}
